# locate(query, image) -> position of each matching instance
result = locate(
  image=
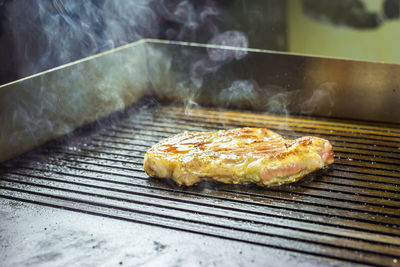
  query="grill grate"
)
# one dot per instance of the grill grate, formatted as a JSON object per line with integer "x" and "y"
{"x": 349, "y": 212}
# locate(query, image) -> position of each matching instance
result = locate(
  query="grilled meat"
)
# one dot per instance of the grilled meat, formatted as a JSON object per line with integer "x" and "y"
{"x": 238, "y": 156}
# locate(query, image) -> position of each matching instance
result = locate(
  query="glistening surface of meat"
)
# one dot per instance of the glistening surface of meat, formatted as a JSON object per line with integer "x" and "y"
{"x": 238, "y": 156}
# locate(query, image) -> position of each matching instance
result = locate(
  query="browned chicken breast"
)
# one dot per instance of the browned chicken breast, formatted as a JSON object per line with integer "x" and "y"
{"x": 238, "y": 156}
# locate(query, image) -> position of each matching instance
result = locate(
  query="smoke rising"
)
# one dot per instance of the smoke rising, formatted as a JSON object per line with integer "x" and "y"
{"x": 50, "y": 33}
{"x": 56, "y": 32}
{"x": 325, "y": 93}
{"x": 191, "y": 21}
{"x": 47, "y": 33}
{"x": 217, "y": 57}
{"x": 228, "y": 38}
{"x": 241, "y": 93}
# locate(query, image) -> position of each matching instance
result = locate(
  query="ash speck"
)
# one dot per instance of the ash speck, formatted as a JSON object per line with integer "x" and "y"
{"x": 158, "y": 246}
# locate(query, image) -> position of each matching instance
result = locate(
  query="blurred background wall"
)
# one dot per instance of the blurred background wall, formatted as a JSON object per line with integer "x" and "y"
{"x": 315, "y": 35}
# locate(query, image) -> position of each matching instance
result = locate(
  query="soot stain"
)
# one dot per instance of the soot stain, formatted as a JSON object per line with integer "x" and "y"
{"x": 159, "y": 247}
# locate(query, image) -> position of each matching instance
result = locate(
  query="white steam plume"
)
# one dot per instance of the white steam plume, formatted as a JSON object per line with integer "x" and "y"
{"x": 48, "y": 33}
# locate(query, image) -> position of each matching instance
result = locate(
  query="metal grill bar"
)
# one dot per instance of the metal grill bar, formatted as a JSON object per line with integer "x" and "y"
{"x": 288, "y": 126}
{"x": 349, "y": 212}
{"x": 119, "y": 140}
{"x": 386, "y": 157}
{"x": 327, "y": 179}
{"x": 97, "y": 166}
{"x": 345, "y": 143}
{"x": 327, "y": 122}
{"x": 352, "y": 141}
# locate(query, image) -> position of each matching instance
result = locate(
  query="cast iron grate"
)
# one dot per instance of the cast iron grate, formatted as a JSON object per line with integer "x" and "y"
{"x": 349, "y": 212}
